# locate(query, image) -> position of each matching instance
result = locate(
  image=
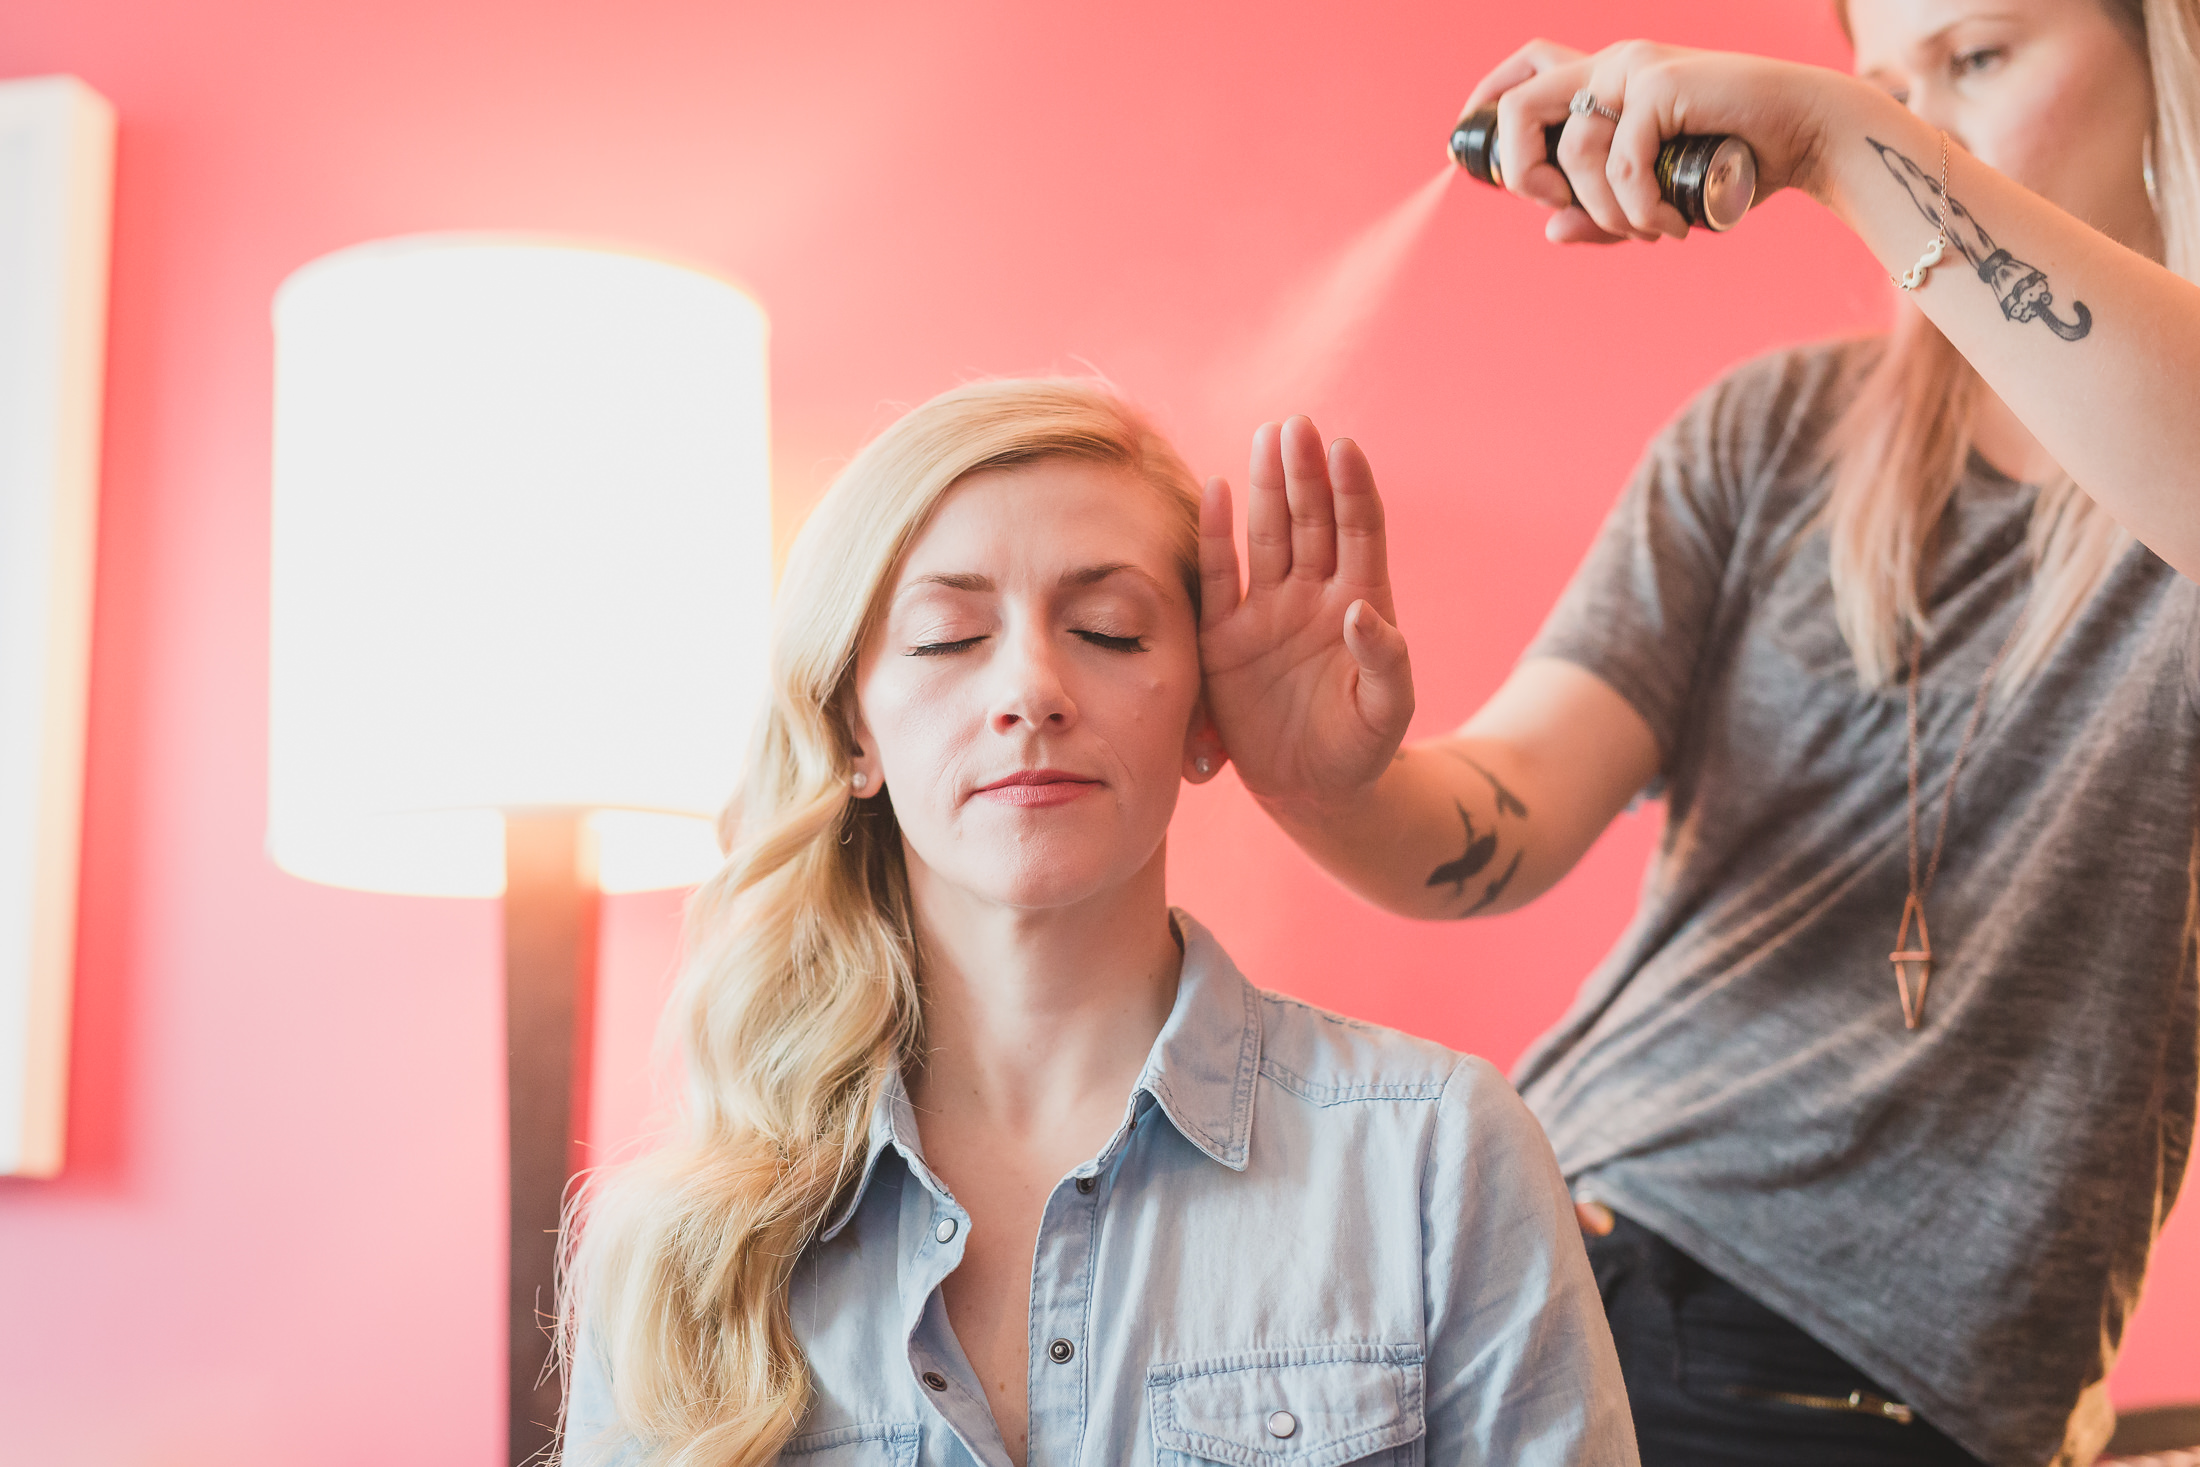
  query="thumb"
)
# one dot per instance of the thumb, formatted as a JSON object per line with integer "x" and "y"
{"x": 1386, "y": 672}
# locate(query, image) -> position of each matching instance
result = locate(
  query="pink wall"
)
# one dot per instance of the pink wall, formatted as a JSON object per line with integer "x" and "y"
{"x": 279, "y": 1237}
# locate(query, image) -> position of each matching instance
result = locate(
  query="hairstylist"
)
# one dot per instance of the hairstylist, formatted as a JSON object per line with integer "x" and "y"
{"x": 1906, "y": 632}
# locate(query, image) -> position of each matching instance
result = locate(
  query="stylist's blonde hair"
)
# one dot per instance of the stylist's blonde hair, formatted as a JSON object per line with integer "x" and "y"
{"x": 1901, "y": 445}
{"x": 799, "y": 994}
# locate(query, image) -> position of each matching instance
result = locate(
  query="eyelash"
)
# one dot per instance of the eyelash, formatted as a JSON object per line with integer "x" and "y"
{"x": 1961, "y": 65}
{"x": 1973, "y": 60}
{"x": 1097, "y": 639}
{"x": 942, "y": 649}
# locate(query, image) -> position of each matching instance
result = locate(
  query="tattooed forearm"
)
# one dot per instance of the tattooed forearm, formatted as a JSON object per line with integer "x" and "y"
{"x": 2020, "y": 289}
{"x": 1482, "y": 845}
{"x": 1508, "y": 803}
{"x": 1481, "y": 850}
{"x": 1496, "y": 888}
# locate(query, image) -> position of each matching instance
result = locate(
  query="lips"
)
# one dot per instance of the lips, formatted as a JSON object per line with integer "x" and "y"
{"x": 1037, "y": 788}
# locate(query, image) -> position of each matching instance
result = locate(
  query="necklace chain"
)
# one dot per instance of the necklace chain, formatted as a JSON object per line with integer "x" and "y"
{"x": 1920, "y": 956}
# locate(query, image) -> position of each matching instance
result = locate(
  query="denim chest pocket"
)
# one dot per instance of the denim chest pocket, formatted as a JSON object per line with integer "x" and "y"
{"x": 874, "y": 1444}
{"x": 1319, "y": 1406}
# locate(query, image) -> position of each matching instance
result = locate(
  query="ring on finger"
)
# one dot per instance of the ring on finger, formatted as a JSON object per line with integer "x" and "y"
{"x": 1585, "y": 102}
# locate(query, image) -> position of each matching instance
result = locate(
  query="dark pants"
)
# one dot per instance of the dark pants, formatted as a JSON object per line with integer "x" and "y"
{"x": 1716, "y": 1378}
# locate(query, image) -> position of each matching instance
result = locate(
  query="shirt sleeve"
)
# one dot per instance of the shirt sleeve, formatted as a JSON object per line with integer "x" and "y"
{"x": 1639, "y": 610}
{"x": 1520, "y": 1364}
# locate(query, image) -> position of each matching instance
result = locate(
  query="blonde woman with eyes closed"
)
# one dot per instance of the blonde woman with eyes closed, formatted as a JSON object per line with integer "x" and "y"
{"x": 1877, "y": 1107}
{"x": 990, "y": 1155}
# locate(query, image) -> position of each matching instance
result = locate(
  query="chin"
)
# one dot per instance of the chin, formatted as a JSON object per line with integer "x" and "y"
{"x": 1049, "y": 890}
{"x": 1038, "y": 875}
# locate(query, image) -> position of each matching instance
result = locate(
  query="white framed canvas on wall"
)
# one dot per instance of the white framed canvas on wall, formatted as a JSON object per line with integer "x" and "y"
{"x": 56, "y": 187}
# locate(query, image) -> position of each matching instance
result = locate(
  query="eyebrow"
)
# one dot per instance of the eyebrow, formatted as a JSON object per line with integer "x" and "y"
{"x": 1091, "y": 575}
{"x": 953, "y": 581}
{"x": 1940, "y": 37}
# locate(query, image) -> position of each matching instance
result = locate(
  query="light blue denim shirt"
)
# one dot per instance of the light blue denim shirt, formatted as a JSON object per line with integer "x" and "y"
{"x": 1311, "y": 1242}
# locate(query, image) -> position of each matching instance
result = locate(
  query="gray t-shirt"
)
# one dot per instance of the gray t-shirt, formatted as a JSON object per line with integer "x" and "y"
{"x": 1963, "y": 1211}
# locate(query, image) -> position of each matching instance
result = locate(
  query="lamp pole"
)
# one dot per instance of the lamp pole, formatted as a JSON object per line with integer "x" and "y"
{"x": 550, "y": 912}
{"x": 521, "y": 551}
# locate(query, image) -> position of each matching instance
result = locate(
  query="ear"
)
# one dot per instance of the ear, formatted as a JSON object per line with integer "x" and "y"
{"x": 1204, "y": 755}
{"x": 865, "y": 777}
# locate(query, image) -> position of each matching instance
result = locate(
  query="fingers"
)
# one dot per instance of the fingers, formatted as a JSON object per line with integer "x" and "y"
{"x": 1572, "y": 226}
{"x": 1586, "y": 147}
{"x": 1510, "y": 73}
{"x": 1631, "y": 162}
{"x": 1522, "y": 114}
{"x": 1595, "y": 1218}
{"x": 1604, "y": 186}
{"x": 1384, "y": 694}
{"x": 1537, "y": 56}
{"x": 1296, "y": 525}
{"x": 1218, "y": 561}
{"x": 1363, "y": 557}
{"x": 1267, "y": 513}
{"x": 1306, "y": 487}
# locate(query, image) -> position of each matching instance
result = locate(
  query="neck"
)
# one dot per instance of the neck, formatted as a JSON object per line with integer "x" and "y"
{"x": 1032, "y": 1018}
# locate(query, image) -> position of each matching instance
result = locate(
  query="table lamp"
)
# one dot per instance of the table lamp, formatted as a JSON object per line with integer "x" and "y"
{"x": 521, "y": 581}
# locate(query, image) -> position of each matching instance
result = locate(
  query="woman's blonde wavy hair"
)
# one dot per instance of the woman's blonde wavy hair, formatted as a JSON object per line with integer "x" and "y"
{"x": 799, "y": 993}
{"x": 1901, "y": 444}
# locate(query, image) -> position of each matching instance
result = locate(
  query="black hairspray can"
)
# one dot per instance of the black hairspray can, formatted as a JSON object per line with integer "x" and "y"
{"x": 1711, "y": 179}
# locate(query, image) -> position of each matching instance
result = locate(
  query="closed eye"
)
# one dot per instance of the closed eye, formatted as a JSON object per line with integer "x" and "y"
{"x": 943, "y": 649}
{"x": 1114, "y": 644}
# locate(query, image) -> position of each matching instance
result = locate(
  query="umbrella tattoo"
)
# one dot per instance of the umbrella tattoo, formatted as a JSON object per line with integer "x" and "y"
{"x": 2020, "y": 289}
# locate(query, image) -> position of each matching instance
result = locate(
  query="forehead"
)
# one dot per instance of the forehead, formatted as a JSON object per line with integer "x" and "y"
{"x": 1036, "y": 521}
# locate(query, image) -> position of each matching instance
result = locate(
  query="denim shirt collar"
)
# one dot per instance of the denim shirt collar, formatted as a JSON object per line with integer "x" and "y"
{"x": 1200, "y": 1072}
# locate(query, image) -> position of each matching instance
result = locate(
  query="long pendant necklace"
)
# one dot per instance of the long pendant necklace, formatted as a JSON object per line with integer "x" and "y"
{"x": 1919, "y": 956}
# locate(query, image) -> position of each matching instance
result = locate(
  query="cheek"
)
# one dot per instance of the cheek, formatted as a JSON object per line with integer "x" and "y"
{"x": 913, "y": 718}
{"x": 2022, "y": 139}
{"x": 2068, "y": 131}
{"x": 1150, "y": 712}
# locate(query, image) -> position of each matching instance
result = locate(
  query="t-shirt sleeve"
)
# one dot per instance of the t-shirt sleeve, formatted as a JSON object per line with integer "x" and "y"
{"x": 1520, "y": 1367}
{"x": 1640, "y": 609}
{"x": 2189, "y": 593}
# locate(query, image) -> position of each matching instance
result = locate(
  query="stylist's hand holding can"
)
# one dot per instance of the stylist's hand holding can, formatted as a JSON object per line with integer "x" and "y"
{"x": 1604, "y": 186}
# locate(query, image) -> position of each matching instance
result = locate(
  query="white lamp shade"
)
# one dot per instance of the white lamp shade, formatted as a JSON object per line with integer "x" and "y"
{"x": 522, "y": 559}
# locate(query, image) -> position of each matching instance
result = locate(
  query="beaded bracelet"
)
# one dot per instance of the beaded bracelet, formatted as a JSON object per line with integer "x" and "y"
{"x": 1914, "y": 277}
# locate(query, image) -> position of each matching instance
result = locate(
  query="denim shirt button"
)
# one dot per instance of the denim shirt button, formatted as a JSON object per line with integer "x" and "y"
{"x": 1282, "y": 1424}
{"x": 945, "y": 1232}
{"x": 933, "y": 1380}
{"x": 1060, "y": 1351}
{"x": 1085, "y": 1185}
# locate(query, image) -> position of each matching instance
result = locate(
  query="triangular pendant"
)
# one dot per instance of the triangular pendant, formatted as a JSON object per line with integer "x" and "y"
{"x": 1913, "y": 1009}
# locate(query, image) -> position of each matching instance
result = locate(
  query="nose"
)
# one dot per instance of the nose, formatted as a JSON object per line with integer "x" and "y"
{"x": 1029, "y": 691}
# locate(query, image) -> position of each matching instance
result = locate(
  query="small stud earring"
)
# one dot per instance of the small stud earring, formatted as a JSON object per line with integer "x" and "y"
{"x": 861, "y": 779}
{"x": 1204, "y": 764}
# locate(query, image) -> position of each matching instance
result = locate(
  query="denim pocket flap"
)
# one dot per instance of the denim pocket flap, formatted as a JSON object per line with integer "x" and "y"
{"x": 877, "y": 1444}
{"x": 1313, "y": 1407}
